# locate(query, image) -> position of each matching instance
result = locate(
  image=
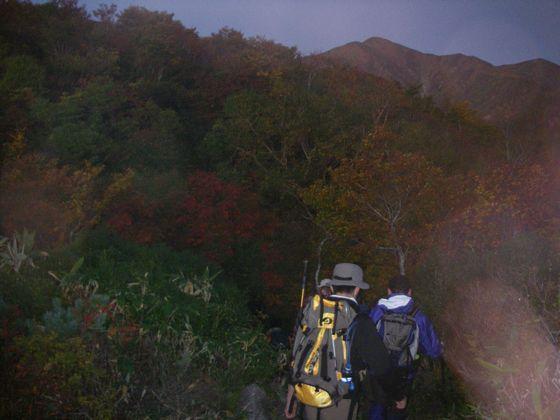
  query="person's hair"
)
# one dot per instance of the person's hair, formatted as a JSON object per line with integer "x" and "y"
{"x": 325, "y": 291}
{"x": 343, "y": 289}
{"x": 399, "y": 284}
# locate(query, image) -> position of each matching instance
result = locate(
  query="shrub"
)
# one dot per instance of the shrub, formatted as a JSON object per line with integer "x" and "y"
{"x": 144, "y": 322}
{"x": 17, "y": 251}
{"x": 54, "y": 377}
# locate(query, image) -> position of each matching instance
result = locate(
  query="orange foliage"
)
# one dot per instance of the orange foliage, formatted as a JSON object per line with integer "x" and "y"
{"x": 382, "y": 200}
{"x": 507, "y": 202}
{"x": 54, "y": 201}
{"x": 40, "y": 196}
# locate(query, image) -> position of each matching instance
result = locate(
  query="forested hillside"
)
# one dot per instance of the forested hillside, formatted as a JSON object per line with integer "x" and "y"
{"x": 159, "y": 191}
{"x": 523, "y": 99}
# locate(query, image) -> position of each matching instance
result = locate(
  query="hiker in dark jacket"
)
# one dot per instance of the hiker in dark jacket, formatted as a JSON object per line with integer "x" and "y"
{"x": 424, "y": 341}
{"x": 376, "y": 380}
{"x": 366, "y": 350}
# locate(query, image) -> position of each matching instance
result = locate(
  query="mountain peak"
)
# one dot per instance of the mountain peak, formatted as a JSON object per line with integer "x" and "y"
{"x": 535, "y": 64}
{"x": 540, "y": 61}
{"x": 378, "y": 42}
{"x": 500, "y": 94}
{"x": 382, "y": 41}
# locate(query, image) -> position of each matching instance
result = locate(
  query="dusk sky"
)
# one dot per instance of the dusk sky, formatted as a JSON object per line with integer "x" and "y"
{"x": 499, "y": 31}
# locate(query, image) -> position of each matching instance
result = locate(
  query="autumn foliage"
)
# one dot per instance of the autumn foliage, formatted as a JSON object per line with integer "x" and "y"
{"x": 55, "y": 201}
{"x": 155, "y": 154}
{"x": 505, "y": 203}
{"x": 207, "y": 214}
{"x": 385, "y": 200}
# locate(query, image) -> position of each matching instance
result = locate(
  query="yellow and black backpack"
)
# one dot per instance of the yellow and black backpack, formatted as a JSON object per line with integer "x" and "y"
{"x": 321, "y": 352}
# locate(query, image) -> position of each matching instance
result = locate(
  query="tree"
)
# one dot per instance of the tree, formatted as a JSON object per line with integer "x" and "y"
{"x": 203, "y": 213}
{"x": 105, "y": 123}
{"x": 56, "y": 202}
{"x": 509, "y": 201}
{"x": 155, "y": 47}
{"x": 383, "y": 200}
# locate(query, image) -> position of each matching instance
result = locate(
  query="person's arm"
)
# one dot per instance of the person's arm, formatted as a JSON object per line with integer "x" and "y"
{"x": 429, "y": 341}
{"x": 375, "y": 314}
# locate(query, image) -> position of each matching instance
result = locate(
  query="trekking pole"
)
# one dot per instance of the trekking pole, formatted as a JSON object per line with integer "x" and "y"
{"x": 442, "y": 378}
{"x": 300, "y": 309}
{"x": 297, "y": 323}
{"x": 303, "y": 283}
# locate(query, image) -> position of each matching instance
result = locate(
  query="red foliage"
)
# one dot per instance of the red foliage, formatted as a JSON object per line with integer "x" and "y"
{"x": 271, "y": 255}
{"x": 137, "y": 219}
{"x": 92, "y": 313}
{"x": 54, "y": 201}
{"x": 217, "y": 214}
{"x": 273, "y": 280}
{"x": 210, "y": 215}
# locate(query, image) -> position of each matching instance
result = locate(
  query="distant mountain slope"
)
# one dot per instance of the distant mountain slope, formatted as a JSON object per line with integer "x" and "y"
{"x": 522, "y": 98}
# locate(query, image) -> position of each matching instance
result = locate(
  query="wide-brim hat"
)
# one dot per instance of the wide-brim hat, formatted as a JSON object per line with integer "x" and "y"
{"x": 346, "y": 274}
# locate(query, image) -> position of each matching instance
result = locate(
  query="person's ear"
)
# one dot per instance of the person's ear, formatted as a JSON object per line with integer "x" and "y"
{"x": 389, "y": 291}
{"x": 356, "y": 291}
{"x": 409, "y": 293}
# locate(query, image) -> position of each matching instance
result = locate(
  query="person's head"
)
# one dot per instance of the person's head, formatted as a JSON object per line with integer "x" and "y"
{"x": 324, "y": 288}
{"x": 399, "y": 284}
{"x": 348, "y": 280}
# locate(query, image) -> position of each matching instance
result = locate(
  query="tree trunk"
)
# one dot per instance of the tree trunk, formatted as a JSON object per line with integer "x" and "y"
{"x": 319, "y": 252}
{"x": 402, "y": 261}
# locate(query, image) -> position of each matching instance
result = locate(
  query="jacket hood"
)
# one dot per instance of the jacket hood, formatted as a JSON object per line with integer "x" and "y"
{"x": 396, "y": 303}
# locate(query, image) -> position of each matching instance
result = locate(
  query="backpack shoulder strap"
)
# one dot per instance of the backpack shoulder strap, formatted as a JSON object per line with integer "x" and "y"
{"x": 355, "y": 306}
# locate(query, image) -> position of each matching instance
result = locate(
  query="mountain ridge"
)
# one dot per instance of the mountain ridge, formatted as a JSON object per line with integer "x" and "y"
{"x": 522, "y": 98}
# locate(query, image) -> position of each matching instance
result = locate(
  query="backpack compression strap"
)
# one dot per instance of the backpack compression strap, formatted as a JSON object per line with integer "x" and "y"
{"x": 335, "y": 318}
{"x": 412, "y": 314}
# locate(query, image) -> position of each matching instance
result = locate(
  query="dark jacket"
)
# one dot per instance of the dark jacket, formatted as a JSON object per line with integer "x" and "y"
{"x": 368, "y": 354}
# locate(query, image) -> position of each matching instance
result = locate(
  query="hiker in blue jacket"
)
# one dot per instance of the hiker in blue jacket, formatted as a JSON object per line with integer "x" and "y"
{"x": 393, "y": 313}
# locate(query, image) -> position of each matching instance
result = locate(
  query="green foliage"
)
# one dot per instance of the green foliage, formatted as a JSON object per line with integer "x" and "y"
{"x": 59, "y": 378}
{"x": 32, "y": 290}
{"x": 101, "y": 122}
{"x": 61, "y": 321}
{"x": 439, "y": 394}
{"x": 175, "y": 324}
{"x": 114, "y": 262}
{"x": 86, "y": 314}
{"x": 501, "y": 300}
{"x": 72, "y": 141}
{"x": 18, "y": 251}
{"x": 21, "y": 72}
